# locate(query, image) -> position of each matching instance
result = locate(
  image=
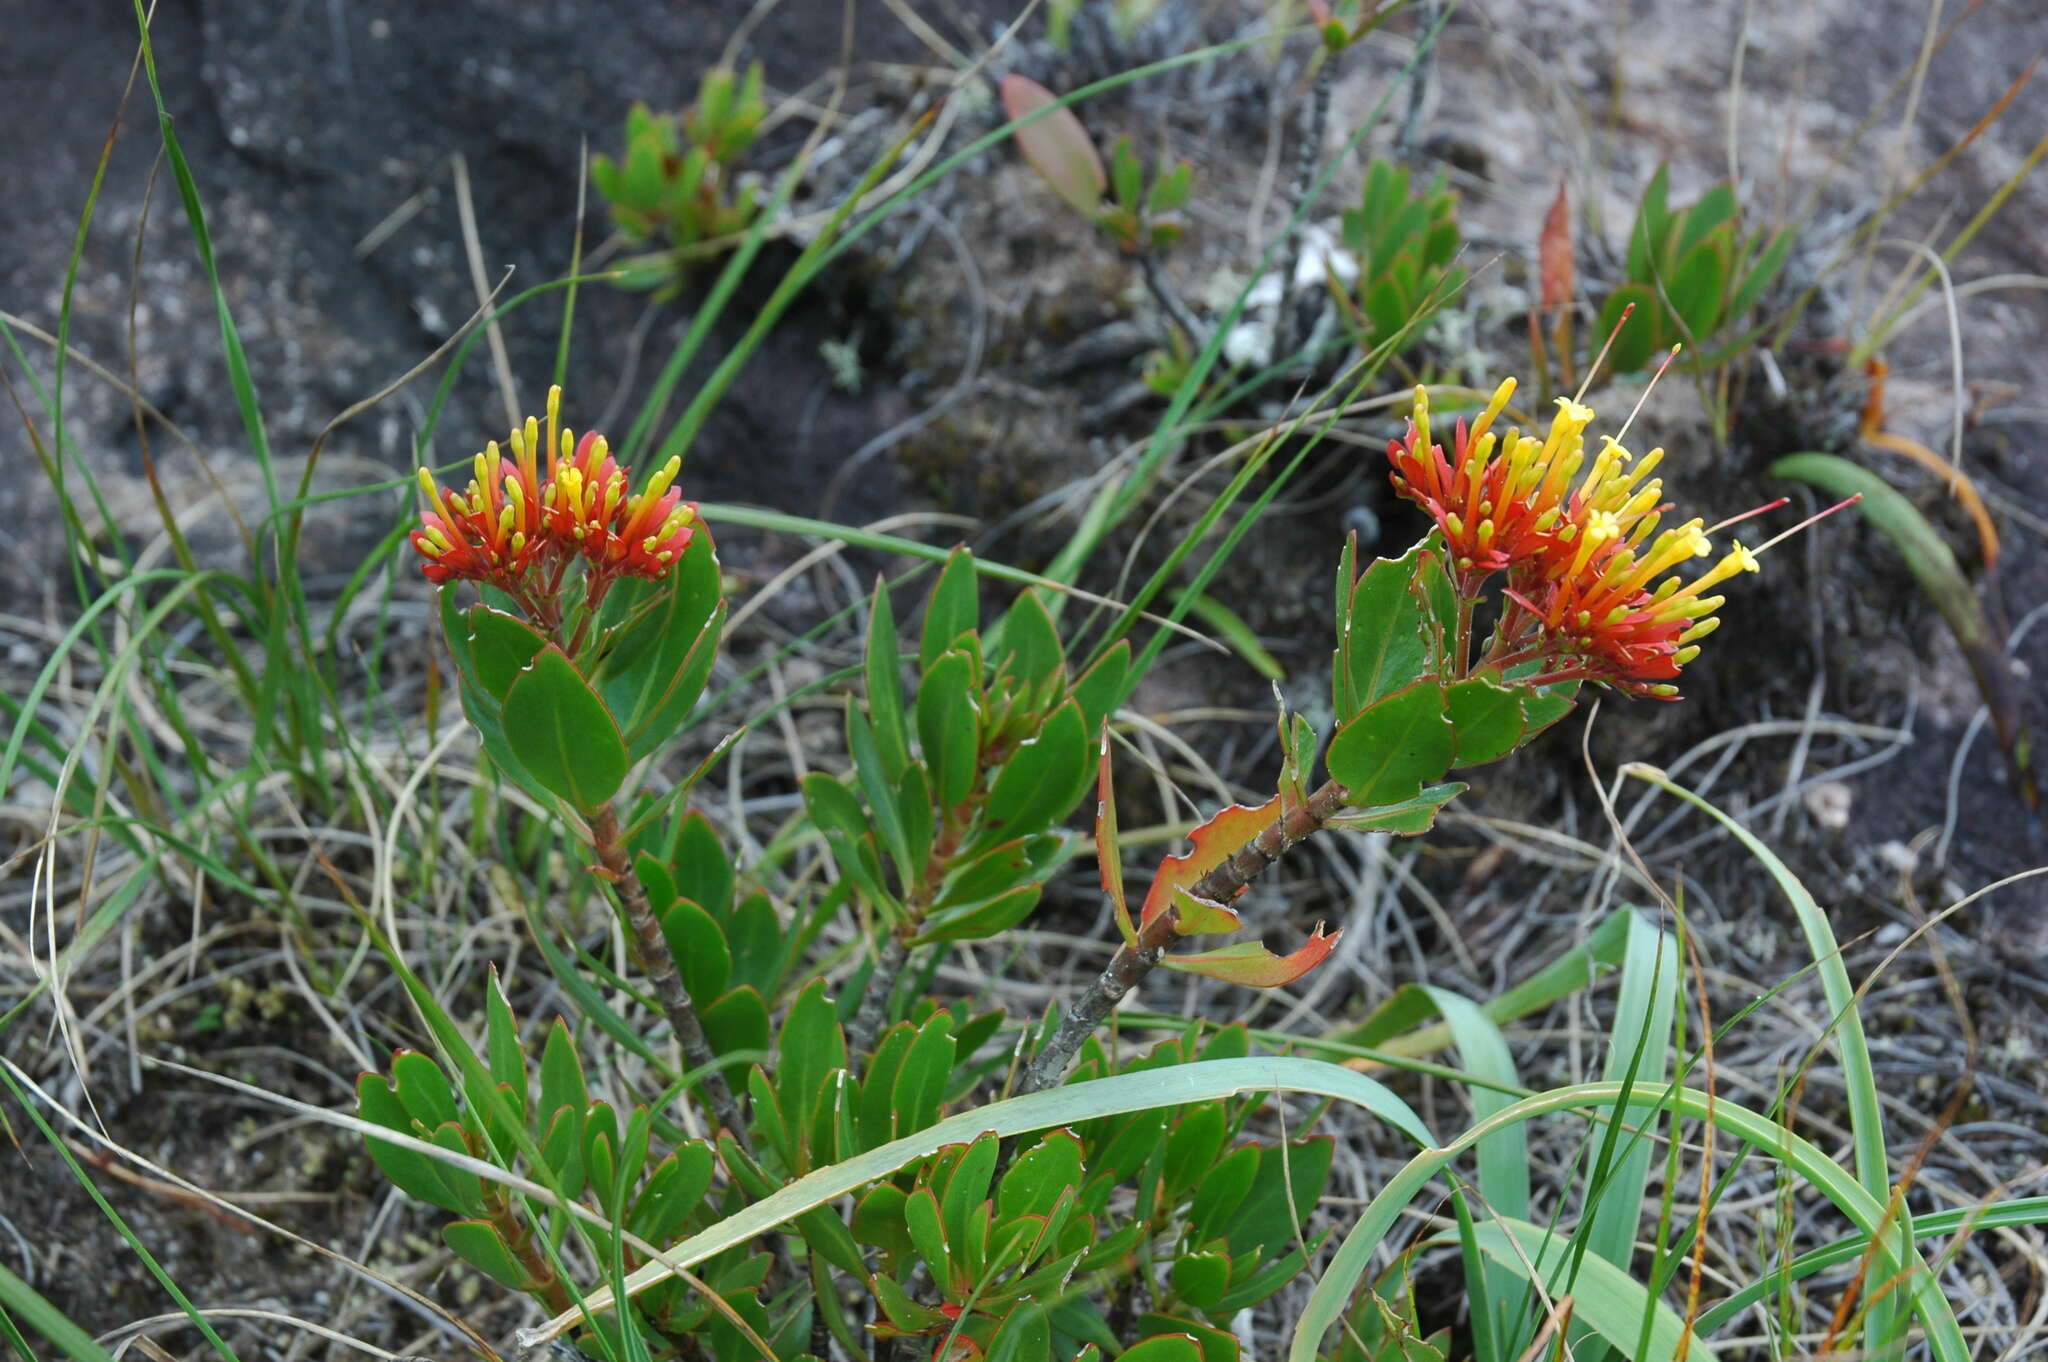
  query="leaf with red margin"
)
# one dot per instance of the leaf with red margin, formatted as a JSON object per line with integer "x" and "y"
{"x": 1251, "y": 964}
{"x": 1109, "y": 856}
{"x": 1215, "y": 842}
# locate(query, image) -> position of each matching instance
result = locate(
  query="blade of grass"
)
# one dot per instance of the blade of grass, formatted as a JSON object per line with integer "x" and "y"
{"x": 1866, "y": 1116}
{"x": 1327, "y": 1303}
{"x": 19, "y": 1298}
{"x": 1605, "y": 1299}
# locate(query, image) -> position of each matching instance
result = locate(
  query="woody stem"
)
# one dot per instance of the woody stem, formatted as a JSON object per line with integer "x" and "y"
{"x": 1134, "y": 960}
{"x": 658, "y": 961}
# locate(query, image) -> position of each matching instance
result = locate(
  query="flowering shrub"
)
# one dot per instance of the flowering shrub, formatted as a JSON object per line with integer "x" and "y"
{"x": 599, "y": 618}
{"x": 1580, "y": 559}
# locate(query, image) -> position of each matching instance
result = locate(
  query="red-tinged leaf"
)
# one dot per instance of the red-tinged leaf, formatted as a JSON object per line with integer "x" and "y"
{"x": 1215, "y": 842}
{"x": 1108, "y": 851}
{"x": 1554, "y": 252}
{"x": 1202, "y": 917}
{"x": 1252, "y": 965}
{"x": 1056, "y": 145}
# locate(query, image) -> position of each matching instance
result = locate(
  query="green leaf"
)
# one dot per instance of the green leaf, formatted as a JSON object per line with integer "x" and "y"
{"x": 1389, "y": 752}
{"x": 1028, "y": 647}
{"x": 954, "y": 608}
{"x": 1649, "y": 230}
{"x": 1926, "y": 554}
{"x": 702, "y": 871}
{"x": 1380, "y": 634}
{"x": 1713, "y": 211}
{"x": 1409, "y": 818}
{"x": 920, "y": 1086}
{"x": 989, "y": 874}
{"x": 737, "y": 1023}
{"x": 809, "y": 1049}
{"x": 1220, "y": 1193}
{"x": 927, "y": 1229}
{"x": 562, "y": 733}
{"x": 1100, "y": 689}
{"x": 423, "y": 1089}
{"x": 1213, "y": 1344}
{"x": 1695, "y": 289}
{"x": 673, "y": 1192}
{"x": 948, "y": 726}
{"x": 884, "y": 671}
{"x": 839, "y": 816}
{"x": 501, "y": 646}
{"x": 1634, "y": 343}
{"x": 976, "y": 921}
{"x": 656, "y": 662}
{"x": 1025, "y": 1336}
{"x": 1165, "y": 1348}
{"x": 1192, "y": 1147}
{"x": 878, "y": 1220}
{"x": 700, "y": 950}
{"x": 1126, "y": 174}
{"x": 1764, "y": 268}
{"x": 872, "y": 771}
{"x": 501, "y": 1041}
{"x": 1200, "y": 1279}
{"x": 1036, "y": 787}
{"x": 1486, "y": 718}
{"x": 478, "y": 1244}
{"x": 1543, "y": 706}
{"x": 414, "y": 1173}
{"x": 1282, "y": 1195}
{"x": 912, "y": 798}
{"x": 758, "y": 943}
{"x": 561, "y": 1073}
{"x": 902, "y": 1312}
{"x": 1034, "y": 1183}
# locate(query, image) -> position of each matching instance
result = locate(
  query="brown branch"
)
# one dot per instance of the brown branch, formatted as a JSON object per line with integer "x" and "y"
{"x": 658, "y": 961}
{"x": 1133, "y": 961}
{"x": 873, "y": 1014}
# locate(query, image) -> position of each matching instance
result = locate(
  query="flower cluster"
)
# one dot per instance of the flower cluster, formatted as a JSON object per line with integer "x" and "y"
{"x": 1579, "y": 541}
{"x": 526, "y": 516}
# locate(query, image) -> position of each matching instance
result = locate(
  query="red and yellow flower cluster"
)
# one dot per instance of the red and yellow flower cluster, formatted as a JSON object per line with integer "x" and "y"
{"x": 555, "y": 499}
{"x": 1579, "y": 542}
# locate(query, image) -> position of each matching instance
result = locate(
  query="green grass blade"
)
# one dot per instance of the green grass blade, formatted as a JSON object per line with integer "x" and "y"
{"x": 1866, "y": 1115}
{"x": 1605, "y": 1298}
{"x": 1637, "y": 1058}
{"x": 17, "y": 1297}
{"x": 1503, "y": 1158}
{"x": 2031, "y": 1210}
{"x": 1327, "y": 1303}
